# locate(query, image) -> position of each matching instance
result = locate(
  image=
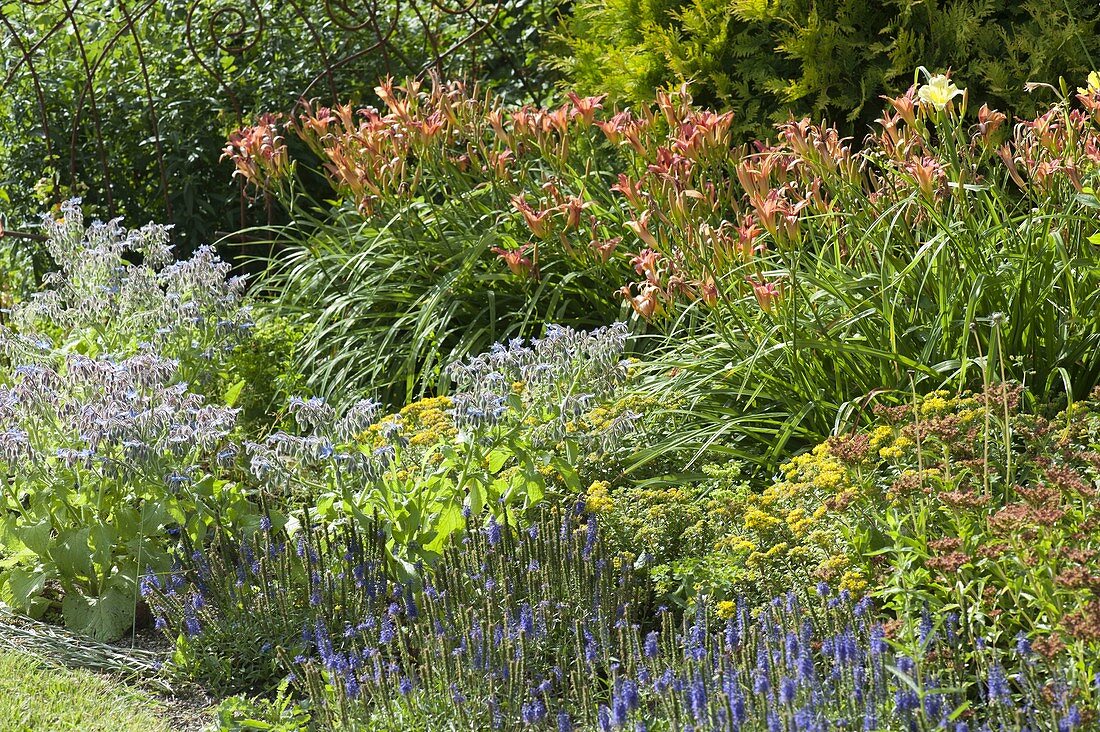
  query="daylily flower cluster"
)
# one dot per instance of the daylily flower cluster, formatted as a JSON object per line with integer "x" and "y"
{"x": 695, "y": 214}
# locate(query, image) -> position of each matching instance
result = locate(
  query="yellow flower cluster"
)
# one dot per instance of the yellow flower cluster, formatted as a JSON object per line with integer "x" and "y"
{"x": 424, "y": 423}
{"x": 816, "y": 469}
{"x": 598, "y": 499}
{"x": 935, "y": 403}
{"x": 601, "y": 417}
{"x": 896, "y": 449}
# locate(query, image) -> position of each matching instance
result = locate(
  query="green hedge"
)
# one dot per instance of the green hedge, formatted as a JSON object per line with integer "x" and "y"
{"x": 824, "y": 58}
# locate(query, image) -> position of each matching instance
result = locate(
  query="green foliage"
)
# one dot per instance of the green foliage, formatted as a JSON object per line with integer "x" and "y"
{"x": 826, "y": 59}
{"x": 390, "y": 306}
{"x": 794, "y": 281}
{"x": 925, "y": 257}
{"x": 261, "y": 374}
{"x": 408, "y": 269}
{"x": 107, "y": 444}
{"x": 968, "y": 505}
{"x": 134, "y": 119}
{"x": 244, "y": 714}
{"x": 36, "y": 697}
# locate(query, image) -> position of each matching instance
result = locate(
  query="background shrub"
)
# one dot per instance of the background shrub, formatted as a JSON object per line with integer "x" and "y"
{"x": 826, "y": 59}
{"x": 134, "y": 120}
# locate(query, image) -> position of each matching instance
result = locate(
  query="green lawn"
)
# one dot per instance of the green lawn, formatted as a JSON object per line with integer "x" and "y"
{"x": 37, "y": 697}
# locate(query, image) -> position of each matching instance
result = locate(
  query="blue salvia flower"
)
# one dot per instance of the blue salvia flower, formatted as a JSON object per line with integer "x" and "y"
{"x": 1071, "y": 721}
{"x": 385, "y": 636}
{"x": 806, "y": 668}
{"x": 492, "y": 532}
{"x": 951, "y": 627}
{"x": 590, "y": 538}
{"x": 733, "y": 638}
{"x": 791, "y": 648}
{"x": 591, "y": 649}
{"x": 405, "y": 686}
{"x": 787, "y": 690}
{"x": 351, "y": 684}
{"x": 603, "y": 718}
{"x": 695, "y": 642}
{"x": 630, "y": 694}
{"x": 878, "y": 641}
{"x": 846, "y": 647}
{"x": 664, "y": 681}
{"x": 651, "y": 648}
{"x": 564, "y": 725}
{"x": 924, "y": 629}
{"x": 997, "y": 685}
{"x": 905, "y": 701}
{"x": 526, "y": 622}
{"x": 933, "y": 704}
{"x": 1023, "y": 645}
{"x": 533, "y": 712}
{"x": 619, "y": 712}
{"x": 191, "y": 624}
{"x": 761, "y": 681}
{"x": 150, "y": 582}
{"x": 697, "y": 697}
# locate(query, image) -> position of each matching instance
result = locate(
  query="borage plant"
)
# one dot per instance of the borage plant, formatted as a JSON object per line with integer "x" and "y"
{"x": 510, "y": 431}
{"x": 106, "y": 447}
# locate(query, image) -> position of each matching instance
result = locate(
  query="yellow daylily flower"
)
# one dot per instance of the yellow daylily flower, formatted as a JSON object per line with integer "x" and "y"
{"x": 938, "y": 92}
{"x": 1092, "y": 84}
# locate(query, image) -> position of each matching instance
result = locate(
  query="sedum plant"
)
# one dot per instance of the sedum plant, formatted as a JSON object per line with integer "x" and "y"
{"x": 961, "y": 504}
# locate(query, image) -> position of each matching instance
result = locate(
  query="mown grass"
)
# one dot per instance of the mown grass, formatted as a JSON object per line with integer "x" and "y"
{"x": 36, "y": 697}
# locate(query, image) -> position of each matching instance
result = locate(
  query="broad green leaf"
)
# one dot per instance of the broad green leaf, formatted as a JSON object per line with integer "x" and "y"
{"x": 36, "y": 537}
{"x": 22, "y": 586}
{"x": 72, "y": 554}
{"x": 233, "y": 393}
{"x": 497, "y": 459}
{"x": 104, "y": 618}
